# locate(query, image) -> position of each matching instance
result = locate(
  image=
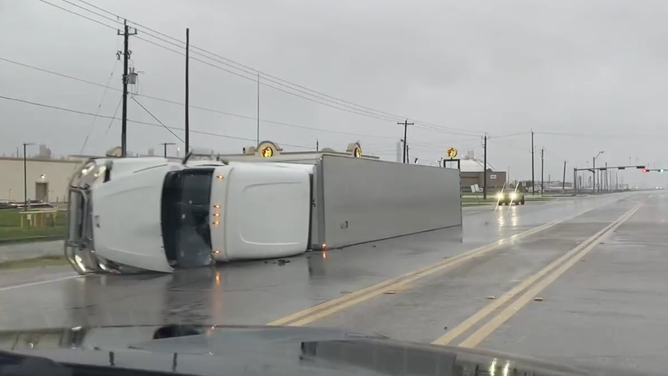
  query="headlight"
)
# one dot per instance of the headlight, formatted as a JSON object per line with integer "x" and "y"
{"x": 499, "y": 195}
{"x": 513, "y": 196}
{"x": 90, "y": 173}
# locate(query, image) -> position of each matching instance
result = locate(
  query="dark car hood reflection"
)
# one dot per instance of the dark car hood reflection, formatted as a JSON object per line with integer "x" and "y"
{"x": 265, "y": 350}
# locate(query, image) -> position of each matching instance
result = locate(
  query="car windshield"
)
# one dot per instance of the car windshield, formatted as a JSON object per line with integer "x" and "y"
{"x": 186, "y": 199}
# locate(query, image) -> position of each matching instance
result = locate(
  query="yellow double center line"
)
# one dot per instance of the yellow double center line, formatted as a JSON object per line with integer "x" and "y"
{"x": 327, "y": 308}
{"x": 556, "y": 268}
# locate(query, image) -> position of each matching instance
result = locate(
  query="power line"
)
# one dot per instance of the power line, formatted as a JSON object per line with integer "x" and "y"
{"x": 357, "y": 112}
{"x": 99, "y": 107}
{"x": 511, "y": 135}
{"x": 345, "y": 108}
{"x": 319, "y": 100}
{"x": 195, "y": 107}
{"x": 113, "y": 117}
{"x": 78, "y": 14}
{"x": 93, "y": 12}
{"x": 135, "y": 121}
{"x": 601, "y": 135}
{"x": 357, "y": 109}
{"x": 156, "y": 119}
{"x": 234, "y": 64}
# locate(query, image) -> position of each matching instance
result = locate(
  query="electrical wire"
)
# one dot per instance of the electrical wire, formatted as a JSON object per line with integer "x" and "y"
{"x": 156, "y": 119}
{"x": 113, "y": 117}
{"x": 388, "y": 119}
{"x": 511, "y": 135}
{"x": 191, "y": 106}
{"x": 250, "y": 70}
{"x": 135, "y": 121}
{"x": 328, "y": 103}
{"x": 78, "y": 14}
{"x": 630, "y": 134}
{"x": 357, "y": 109}
{"x": 97, "y": 111}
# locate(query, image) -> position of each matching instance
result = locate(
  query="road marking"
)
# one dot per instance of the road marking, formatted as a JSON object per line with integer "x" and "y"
{"x": 563, "y": 264}
{"x": 38, "y": 283}
{"x": 327, "y": 308}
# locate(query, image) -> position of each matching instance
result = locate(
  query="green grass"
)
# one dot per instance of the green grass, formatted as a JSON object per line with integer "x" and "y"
{"x": 35, "y": 262}
{"x": 482, "y": 203}
{"x": 11, "y": 230}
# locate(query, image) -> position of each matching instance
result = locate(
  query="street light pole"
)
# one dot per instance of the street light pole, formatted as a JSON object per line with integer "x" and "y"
{"x": 593, "y": 184}
{"x": 25, "y": 176}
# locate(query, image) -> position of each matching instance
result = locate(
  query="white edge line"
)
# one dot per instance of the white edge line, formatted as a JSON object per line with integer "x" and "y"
{"x": 38, "y": 283}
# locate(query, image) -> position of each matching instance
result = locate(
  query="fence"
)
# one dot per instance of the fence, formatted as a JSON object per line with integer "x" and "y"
{"x": 17, "y": 225}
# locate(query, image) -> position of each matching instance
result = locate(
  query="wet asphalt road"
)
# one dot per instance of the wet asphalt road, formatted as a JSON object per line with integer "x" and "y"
{"x": 606, "y": 308}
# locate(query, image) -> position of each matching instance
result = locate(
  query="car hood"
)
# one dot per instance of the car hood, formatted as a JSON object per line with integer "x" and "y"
{"x": 261, "y": 350}
{"x": 126, "y": 214}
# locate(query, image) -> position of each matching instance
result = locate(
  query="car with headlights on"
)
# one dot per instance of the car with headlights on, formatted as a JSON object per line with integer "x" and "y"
{"x": 510, "y": 196}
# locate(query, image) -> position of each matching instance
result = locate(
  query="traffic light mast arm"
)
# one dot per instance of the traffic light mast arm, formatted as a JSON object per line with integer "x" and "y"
{"x": 617, "y": 168}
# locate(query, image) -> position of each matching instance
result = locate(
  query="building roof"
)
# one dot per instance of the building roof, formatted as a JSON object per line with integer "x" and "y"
{"x": 470, "y": 164}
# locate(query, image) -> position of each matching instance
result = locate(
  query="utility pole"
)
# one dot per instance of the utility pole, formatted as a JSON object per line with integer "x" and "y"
{"x": 542, "y": 165}
{"x": 575, "y": 181}
{"x": 484, "y": 167}
{"x": 407, "y": 155}
{"x": 533, "y": 184}
{"x": 607, "y": 182}
{"x": 317, "y": 145}
{"x": 405, "y": 124}
{"x": 126, "y": 58}
{"x": 563, "y": 180}
{"x": 593, "y": 182}
{"x": 164, "y": 144}
{"x": 257, "y": 133}
{"x": 187, "y": 138}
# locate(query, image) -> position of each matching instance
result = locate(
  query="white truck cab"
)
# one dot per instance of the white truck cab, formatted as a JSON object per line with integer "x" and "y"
{"x": 155, "y": 214}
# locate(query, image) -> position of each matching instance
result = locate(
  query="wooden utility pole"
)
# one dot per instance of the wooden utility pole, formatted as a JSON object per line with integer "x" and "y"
{"x": 187, "y": 139}
{"x": 484, "y": 167}
{"x": 126, "y": 59}
{"x": 563, "y": 181}
{"x": 542, "y": 170}
{"x": 405, "y": 124}
{"x": 533, "y": 184}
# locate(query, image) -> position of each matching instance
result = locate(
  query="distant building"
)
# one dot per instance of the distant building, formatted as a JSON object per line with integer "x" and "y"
{"x": 44, "y": 152}
{"x": 473, "y": 172}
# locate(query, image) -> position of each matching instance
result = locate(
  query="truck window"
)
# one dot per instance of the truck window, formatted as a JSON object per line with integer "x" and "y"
{"x": 186, "y": 198}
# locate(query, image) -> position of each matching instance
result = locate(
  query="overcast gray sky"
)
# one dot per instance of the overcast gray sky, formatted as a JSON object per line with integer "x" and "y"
{"x": 595, "y": 72}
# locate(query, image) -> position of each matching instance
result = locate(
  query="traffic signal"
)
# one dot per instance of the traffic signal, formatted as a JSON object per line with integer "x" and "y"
{"x": 661, "y": 170}
{"x": 644, "y": 170}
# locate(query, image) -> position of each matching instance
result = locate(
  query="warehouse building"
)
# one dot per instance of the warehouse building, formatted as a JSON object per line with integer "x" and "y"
{"x": 46, "y": 178}
{"x": 473, "y": 173}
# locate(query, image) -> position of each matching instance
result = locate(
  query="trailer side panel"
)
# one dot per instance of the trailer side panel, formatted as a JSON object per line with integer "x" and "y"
{"x": 368, "y": 200}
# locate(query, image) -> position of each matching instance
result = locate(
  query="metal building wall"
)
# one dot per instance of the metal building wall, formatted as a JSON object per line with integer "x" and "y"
{"x": 366, "y": 200}
{"x": 55, "y": 173}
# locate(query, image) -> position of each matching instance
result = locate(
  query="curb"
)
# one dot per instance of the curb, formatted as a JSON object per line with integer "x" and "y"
{"x": 34, "y": 239}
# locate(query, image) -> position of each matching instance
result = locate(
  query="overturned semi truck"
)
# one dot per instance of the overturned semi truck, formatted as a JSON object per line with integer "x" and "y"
{"x": 129, "y": 215}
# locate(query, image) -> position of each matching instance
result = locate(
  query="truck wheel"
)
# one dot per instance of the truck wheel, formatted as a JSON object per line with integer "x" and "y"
{"x": 522, "y": 202}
